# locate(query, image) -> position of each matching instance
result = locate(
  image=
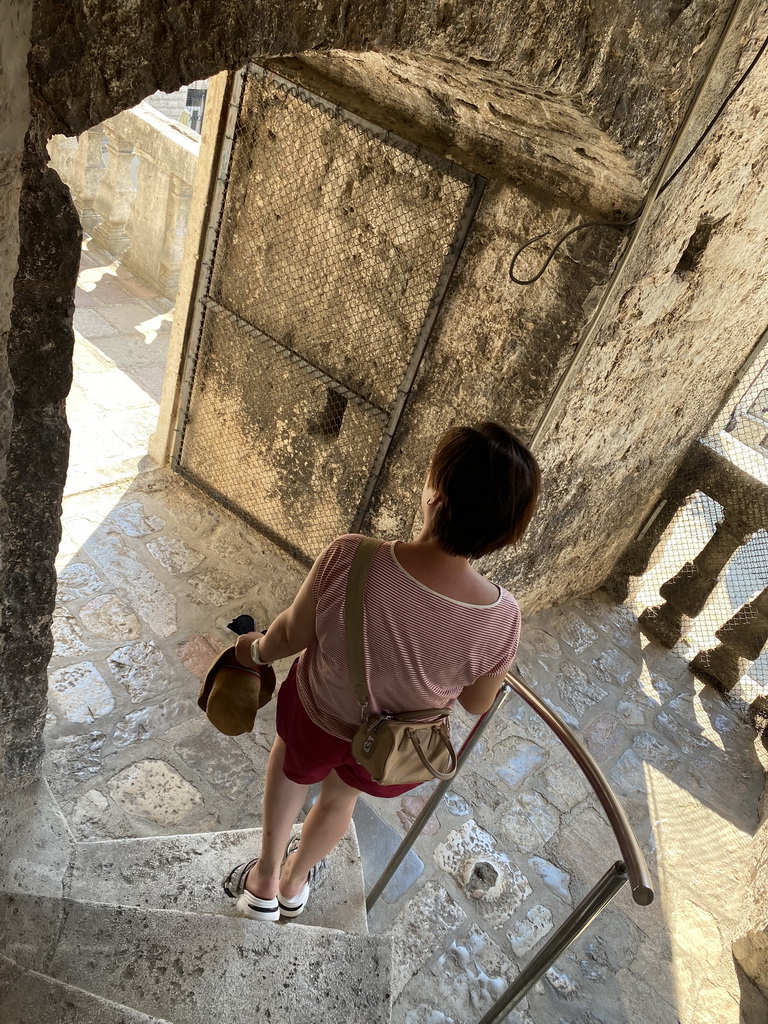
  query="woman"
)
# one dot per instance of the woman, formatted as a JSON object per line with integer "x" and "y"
{"x": 436, "y": 631}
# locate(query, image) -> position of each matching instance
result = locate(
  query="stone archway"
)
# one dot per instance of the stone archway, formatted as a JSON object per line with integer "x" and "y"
{"x": 628, "y": 72}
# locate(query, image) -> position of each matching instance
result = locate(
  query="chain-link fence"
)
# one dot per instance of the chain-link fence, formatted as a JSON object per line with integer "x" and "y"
{"x": 335, "y": 245}
{"x": 706, "y": 585}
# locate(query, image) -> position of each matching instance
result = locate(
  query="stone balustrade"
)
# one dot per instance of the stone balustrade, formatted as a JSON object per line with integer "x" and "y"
{"x": 721, "y": 469}
{"x": 131, "y": 178}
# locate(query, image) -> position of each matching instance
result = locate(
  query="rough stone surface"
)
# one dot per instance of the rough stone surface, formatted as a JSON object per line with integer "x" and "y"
{"x": 184, "y": 873}
{"x": 109, "y": 617}
{"x": 196, "y": 654}
{"x": 213, "y": 967}
{"x": 78, "y": 579}
{"x": 420, "y": 929}
{"x": 605, "y": 735}
{"x": 530, "y": 931}
{"x": 119, "y": 563}
{"x": 153, "y": 721}
{"x": 134, "y": 522}
{"x": 139, "y": 667}
{"x": 80, "y": 692}
{"x": 154, "y": 790}
{"x": 174, "y": 555}
{"x": 471, "y": 975}
{"x": 39, "y": 357}
{"x": 531, "y": 821}
{"x": 485, "y": 874}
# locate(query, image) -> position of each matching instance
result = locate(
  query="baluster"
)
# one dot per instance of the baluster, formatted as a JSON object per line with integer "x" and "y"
{"x": 176, "y": 220}
{"x": 87, "y": 172}
{"x": 686, "y": 593}
{"x": 742, "y": 639}
{"x": 116, "y": 196}
{"x": 62, "y": 150}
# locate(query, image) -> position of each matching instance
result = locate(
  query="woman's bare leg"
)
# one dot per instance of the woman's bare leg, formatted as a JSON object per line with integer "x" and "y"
{"x": 283, "y": 800}
{"x": 325, "y": 825}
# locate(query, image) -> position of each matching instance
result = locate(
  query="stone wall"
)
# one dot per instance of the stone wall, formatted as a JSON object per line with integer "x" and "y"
{"x": 40, "y": 359}
{"x": 15, "y": 24}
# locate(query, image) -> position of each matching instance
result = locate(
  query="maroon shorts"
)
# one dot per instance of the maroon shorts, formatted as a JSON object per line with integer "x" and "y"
{"x": 311, "y": 753}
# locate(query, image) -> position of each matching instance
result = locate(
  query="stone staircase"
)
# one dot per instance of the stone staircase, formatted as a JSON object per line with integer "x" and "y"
{"x": 138, "y": 930}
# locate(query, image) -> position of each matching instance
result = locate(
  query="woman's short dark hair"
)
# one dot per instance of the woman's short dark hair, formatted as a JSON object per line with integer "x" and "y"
{"x": 489, "y": 484}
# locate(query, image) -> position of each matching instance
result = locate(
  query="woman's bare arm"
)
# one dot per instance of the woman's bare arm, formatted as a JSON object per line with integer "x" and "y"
{"x": 478, "y": 696}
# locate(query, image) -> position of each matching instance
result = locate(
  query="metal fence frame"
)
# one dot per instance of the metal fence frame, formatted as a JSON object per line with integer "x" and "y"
{"x": 202, "y": 302}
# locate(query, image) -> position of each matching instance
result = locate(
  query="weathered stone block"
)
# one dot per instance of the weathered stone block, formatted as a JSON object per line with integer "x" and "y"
{"x": 153, "y": 789}
{"x": 80, "y": 692}
{"x": 605, "y": 736}
{"x": 485, "y": 874}
{"x": 78, "y": 580}
{"x": 526, "y": 934}
{"x": 577, "y": 689}
{"x": 420, "y": 930}
{"x": 525, "y": 759}
{"x": 174, "y": 555}
{"x": 140, "y": 668}
{"x": 109, "y": 617}
{"x": 154, "y": 721}
{"x": 132, "y": 519}
{"x": 553, "y": 877}
{"x": 531, "y": 821}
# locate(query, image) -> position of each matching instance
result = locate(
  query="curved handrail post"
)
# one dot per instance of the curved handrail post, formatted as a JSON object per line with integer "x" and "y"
{"x": 579, "y": 918}
{"x": 639, "y": 878}
{"x": 417, "y": 827}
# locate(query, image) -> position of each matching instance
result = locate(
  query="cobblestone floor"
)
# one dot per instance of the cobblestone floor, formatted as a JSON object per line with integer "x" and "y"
{"x": 150, "y": 573}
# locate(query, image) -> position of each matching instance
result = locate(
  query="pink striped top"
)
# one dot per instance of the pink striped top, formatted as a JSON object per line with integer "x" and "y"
{"x": 421, "y": 648}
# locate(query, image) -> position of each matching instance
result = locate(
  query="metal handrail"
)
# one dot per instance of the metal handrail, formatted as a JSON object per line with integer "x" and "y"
{"x": 632, "y": 869}
{"x": 637, "y": 871}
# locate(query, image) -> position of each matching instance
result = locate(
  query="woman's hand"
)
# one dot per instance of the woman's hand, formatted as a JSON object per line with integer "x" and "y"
{"x": 243, "y": 649}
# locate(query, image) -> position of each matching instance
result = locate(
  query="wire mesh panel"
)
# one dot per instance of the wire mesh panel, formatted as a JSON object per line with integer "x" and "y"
{"x": 331, "y": 256}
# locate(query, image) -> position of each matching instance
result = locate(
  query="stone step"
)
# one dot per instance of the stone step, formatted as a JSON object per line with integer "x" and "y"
{"x": 196, "y": 968}
{"x": 27, "y": 997}
{"x": 185, "y": 873}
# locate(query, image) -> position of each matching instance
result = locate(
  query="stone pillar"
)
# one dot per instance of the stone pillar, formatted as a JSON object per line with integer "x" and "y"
{"x": 40, "y": 359}
{"x": 87, "y": 173}
{"x": 115, "y": 196}
{"x": 742, "y": 639}
{"x": 176, "y": 222}
{"x": 686, "y": 593}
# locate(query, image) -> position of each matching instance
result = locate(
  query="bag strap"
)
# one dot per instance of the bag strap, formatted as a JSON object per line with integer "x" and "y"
{"x": 444, "y": 776}
{"x": 353, "y": 616}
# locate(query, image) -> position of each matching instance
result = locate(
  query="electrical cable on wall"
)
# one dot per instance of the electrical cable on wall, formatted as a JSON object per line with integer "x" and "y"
{"x": 623, "y": 225}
